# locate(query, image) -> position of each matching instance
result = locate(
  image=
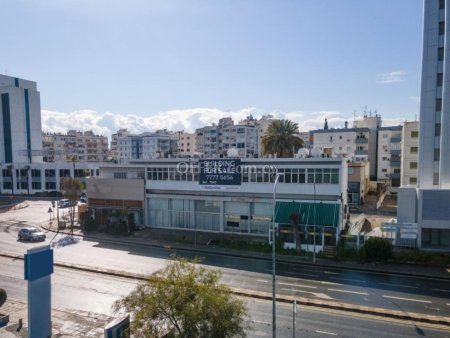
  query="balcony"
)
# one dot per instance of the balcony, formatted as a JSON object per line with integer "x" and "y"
{"x": 395, "y": 151}
{"x": 361, "y": 140}
{"x": 396, "y": 139}
{"x": 394, "y": 176}
{"x": 361, "y": 152}
{"x": 394, "y": 163}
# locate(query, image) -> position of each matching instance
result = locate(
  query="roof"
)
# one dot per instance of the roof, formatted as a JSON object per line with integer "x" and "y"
{"x": 340, "y": 130}
{"x": 326, "y": 214}
{"x": 391, "y": 128}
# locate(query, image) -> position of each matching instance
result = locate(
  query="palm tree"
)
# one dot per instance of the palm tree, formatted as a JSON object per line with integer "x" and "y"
{"x": 281, "y": 138}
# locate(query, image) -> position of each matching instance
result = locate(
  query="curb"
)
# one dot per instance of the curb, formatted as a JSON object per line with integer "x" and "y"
{"x": 380, "y": 312}
{"x": 280, "y": 258}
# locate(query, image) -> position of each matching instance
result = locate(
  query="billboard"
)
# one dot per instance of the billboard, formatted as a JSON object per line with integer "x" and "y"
{"x": 220, "y": 174}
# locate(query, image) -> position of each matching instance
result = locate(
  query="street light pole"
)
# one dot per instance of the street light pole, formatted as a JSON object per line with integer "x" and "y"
{"x": 274, "y": 302}
{"x": 314, "y": 220}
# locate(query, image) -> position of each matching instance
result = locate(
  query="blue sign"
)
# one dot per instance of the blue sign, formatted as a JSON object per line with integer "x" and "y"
{"x": 223, "y": 172}
{"x": 119, "y": 328}
{"x": 38, "y": 264}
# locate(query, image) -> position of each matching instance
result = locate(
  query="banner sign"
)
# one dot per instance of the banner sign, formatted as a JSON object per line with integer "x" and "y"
{"x": 220, "y": 174}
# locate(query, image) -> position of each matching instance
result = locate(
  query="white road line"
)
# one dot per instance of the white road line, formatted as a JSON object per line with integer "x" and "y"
{"x": 410, "y": 299}
{"x": 317, "y": 294}
{"x": 346, "y": 291}
{"x": 350, "y": 280}
{"x": 399, "y": 285}
{"x": 331, "y": 273}
{"x": 298, "y": 285}
{"x": 441, "y": 290}
{"x": 299, "y": 274}
{"x": 325, "y": 332}
{"x": 262, "y": 280}
{"x": 329, "y": 283}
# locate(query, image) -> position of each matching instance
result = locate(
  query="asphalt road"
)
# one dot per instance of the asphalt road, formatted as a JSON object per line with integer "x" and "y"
{"x": 386, "y": 291}
{"x": 94, "y": 292}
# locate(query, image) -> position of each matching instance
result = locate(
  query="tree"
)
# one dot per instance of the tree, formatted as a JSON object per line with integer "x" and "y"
{"x": 281, "y": 138}
{"x": 184, "y": 300}
{"x": 294, "y": 218}
{"x": 3, "y": 297}
{"x": 71, "y": 189}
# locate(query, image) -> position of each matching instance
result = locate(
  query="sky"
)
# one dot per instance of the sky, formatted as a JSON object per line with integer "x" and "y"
{"x": 180, "y": 64}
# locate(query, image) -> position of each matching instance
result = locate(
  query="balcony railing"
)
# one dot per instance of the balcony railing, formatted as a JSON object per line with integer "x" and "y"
{"x": 396, "y": 139}
{"x": 361, "y": 152}
{"x": 362, "y": 140}
{"x": 394, "y": 175}
{"x": 395, "y": 151}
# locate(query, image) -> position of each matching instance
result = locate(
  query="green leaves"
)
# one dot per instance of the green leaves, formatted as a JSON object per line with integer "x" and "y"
{"x": 184, "y": 300}
{"x": 281, "y": 138}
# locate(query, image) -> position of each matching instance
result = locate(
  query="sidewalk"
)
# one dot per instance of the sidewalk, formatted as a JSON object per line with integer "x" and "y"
{"x": 184, "y": 239}
{"x": 65, "y": 323}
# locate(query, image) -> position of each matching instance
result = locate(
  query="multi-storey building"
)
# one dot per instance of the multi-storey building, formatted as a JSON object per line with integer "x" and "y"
{"x": 75, "y": 146}
{"x": 215, "y": 141}
{"x": 20, "y": 126}
{"x": 428, "y": 206}
{"x": 409, "y": 152}
{"x": 388, "y": 156}
{"x": 186, "y": 144}
{"x": 161, "y": 144}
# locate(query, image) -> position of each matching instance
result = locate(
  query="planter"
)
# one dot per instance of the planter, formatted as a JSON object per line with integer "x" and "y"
{"x": 4, "y": 319}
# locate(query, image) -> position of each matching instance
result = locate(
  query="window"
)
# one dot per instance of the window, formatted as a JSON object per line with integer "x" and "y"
{"x": 120, "y": 175}
{"x": 384, "y": 170}
{"x": 439, "y": 79}
{"x": 36, "y": 185}
{"x": 442, "y": 28}
{"x": 437, "y": 154}
{"x": 438, "y": 104}
{"x": 414, "y": 134}
{"x": 350, "y": 170}
{"x": 64, "y": 173}
{"x": 310, "y": 175}
{"x": 334, "y": 176}
{"x": 35, "y": 173}
{"x": 437, "y": 129}
{"x": 413, "y": 150}
{"x": 413, "y": 180}
{"x": 50, "y": 185}
{"x": 435, "y": 178}
{"x": 441, "y": 4}
{"x": 301, "y": 176}
{"x": 385, "y": 135}
{"x": 412, "y": 165}
{"x": 49, "y": 173}
{"x": 440, "y": 53}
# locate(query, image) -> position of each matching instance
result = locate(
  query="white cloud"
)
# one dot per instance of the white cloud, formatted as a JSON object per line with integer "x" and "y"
{"x": 391, "y": 77}
{"x": 182, "y": 119}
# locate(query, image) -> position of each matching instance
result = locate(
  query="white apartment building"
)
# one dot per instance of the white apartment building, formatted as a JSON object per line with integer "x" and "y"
{"x": 80, "y": 146}
{"x": 147, "y": 145}
{"x": 20, "y": 126}
{"x": 388, "y": 156}
{"x": 427, "y": 206}
{"x": 186, "y": 144}
{"x": 215, "y": 141}
{"x": 409, "y": 153}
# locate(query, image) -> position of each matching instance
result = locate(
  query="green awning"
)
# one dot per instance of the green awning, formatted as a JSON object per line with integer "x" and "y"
{"x": 319, "y": 213}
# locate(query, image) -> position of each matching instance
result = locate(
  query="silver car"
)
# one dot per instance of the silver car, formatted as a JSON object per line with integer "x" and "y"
{"x": 31, "y": 234}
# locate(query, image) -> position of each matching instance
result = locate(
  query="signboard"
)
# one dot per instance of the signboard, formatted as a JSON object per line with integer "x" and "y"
{"x": 220, "y": 174}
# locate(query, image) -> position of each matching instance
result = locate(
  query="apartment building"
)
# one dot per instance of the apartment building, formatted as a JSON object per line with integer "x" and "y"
{"x": 75, "y": 145}
{"x": 186, "y": 144}
{"x": 160, "y": 144}
{"x": 21, "y": 134}
{"x": 388, "y": 156}
{"x": 409, "y": 152}
{"x": 215, "y": 141}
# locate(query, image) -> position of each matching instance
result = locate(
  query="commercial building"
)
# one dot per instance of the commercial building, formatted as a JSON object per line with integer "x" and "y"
{"x": 75, "y": 145}
{"x": 427, "y": 207}
{"x": 409, "y": 152}
{"x": 20, "y": 125}
{"x": 177, "y": 197}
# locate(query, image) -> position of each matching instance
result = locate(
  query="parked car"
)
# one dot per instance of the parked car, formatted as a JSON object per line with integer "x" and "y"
{"x": 31, "y": 234}
{"x": 64, "y": 203}
{"x": 83, "y": 198}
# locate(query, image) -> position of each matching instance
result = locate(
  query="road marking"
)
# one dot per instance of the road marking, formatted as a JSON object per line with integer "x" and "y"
{"x": 330, "y": 283}
{"x": 410, "y": 299}
{"x": 399, "y": 285}
{"x": 350, "y": 280}
{"x": 325, "y": 332}
{"x": 317, "y": 294}
{"x": 262, "y": 280}
{"x": 299, "y": 286}
{"x": 331, "y": 273}
{"x": 346, "y": 291}
{"x": 441, "y": 290}
{"x": 299, "y": 274}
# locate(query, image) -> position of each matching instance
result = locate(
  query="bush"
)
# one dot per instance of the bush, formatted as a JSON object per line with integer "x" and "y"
{"x": 422, "y": 257}
{"x": 89, "y": 225}
{"x": 344, "y": 252}
{"x": 3, "y": 297}
{"x": 378, "y": 249}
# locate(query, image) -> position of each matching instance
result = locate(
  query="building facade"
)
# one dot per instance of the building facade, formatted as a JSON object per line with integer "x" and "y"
{"x": 20, "y": 125}
{"x": 389, "y": 155}
{"x": 409, "y": 151}
{"x": 186, "y": 144}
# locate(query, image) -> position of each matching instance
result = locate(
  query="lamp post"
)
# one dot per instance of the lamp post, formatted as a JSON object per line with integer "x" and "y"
{"x": 314, "y": 221}
{"x": 274, "y": 302}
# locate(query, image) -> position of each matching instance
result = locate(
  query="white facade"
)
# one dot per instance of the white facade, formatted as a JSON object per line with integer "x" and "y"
{"x": 186, "y": 144}
{"x": 388, "y": 157}
{"x": 409, "y": 152}
{"x": 20, "y": 125}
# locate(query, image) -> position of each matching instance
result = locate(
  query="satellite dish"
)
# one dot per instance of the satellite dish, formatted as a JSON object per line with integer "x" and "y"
{"x": 303, "y": 152}
{"x": 316, "y": 152}
{"x": 232, "y": 152}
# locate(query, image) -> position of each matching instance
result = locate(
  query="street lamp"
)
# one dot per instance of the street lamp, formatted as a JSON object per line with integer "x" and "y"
{"x": 274, "y": 302}
{"x": 314, "y": 221}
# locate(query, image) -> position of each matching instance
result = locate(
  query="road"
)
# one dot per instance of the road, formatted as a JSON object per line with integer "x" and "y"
{"x": 93, "y": 292}
{"x": 386, "y": 291}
